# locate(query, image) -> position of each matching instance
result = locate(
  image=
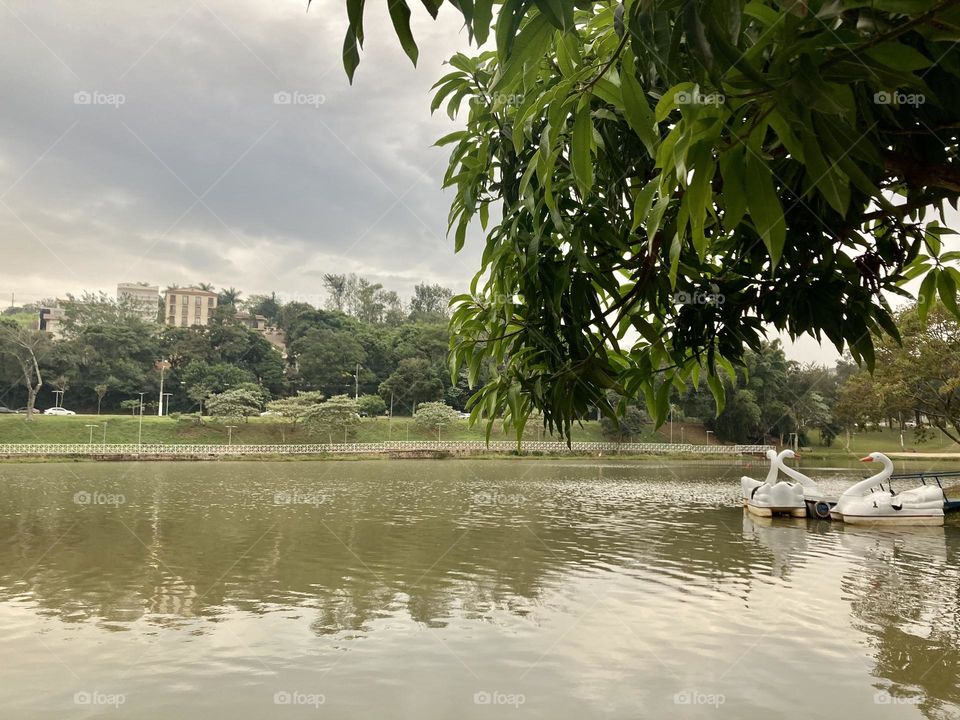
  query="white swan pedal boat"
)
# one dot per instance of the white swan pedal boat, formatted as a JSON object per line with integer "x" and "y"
{"x": 873, "y": 501}
{"x": 773, "y": 496}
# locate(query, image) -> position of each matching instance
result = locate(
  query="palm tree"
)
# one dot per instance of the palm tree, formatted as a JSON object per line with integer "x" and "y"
{"x": 230, "y": 296}
{"x": 205, "y": 286}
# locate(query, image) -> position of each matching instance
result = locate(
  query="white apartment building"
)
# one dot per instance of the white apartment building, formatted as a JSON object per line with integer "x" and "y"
{"x": 51, "y": 319}
{"x": 184, "y": 307}
{"x": 143, "y": 297}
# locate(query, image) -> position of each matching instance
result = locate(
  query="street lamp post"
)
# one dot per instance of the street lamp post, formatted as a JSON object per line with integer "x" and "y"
{"x": 163, "y": 364}
{"x": 167, "y": 396}
{"x": 230, "y": 429}
{"x": 709, "y": 433}
{"x": 390, "y": 419}
{"x": 140, "y": 428}
{"x": 91, "y": 433}
{"x": 59, "y": 401}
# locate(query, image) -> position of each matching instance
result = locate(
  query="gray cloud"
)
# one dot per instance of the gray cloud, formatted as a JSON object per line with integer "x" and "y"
{"x": 347, "y": 183}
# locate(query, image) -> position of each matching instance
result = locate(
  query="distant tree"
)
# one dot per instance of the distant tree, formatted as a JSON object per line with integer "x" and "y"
{"x": 741, "y": 419}
{"x": 97, "y": 309}
{"x": 291, "y": 410}
{"x": 336, "y": 286}
{"x": 205, "y": 286}
{"x": 327, "y": 358}
{"x": 434, "y": 416}
{"x": 922, "y": 375}
{"x": 392, "y": 313}
{"x": 430, "y": 302}
{"x": 199, "y": 392}
{"x": 630, "y": 427}
{"x": 61, "y": 383}
{"x": 266, "y": 305}
{"x": 239, "y": 403}
{"x": 334, "y": 418}
{"x": 132, "y": 405}
{"x": 368, "y": 301}
{"x": 296, "y": 407}
{"x": 101, "y": 391}
{"x": 371, "y": 405}
{"x": 415, "y": 380}
{"x": 25, "y": 346}
{"x": 214, "y": 377}
{"x": 230, "y": 296}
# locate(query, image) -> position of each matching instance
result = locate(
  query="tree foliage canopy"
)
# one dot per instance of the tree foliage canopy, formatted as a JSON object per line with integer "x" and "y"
{"x": 434, "y": 416}
{"x": 673, "y": 176}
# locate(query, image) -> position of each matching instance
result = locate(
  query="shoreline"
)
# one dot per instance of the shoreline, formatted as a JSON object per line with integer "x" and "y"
{"x": 522, "y": 455}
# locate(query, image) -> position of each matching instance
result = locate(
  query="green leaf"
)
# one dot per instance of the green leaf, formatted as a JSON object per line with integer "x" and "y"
{"x": 482, "y": 18}
{"x": 637, "y": 110}
{"x": 947, "y": 289}
{"x": 925, "y": 297}
{"x": 765, "y": 208}
{"x": 581, "y": 146}
{"x": 719, "y": 395}
{"x": 823, "y": 176}
{"x": 642, "y": 200}
{"x": 355, "y": 18}
{"x": 733, "y": 170}
{"x": 400, "y": 15}
{"x": 899, "y": 56}
{"x": 528, "y": 49}
{"x": 671, "y": 98}
{"x": 351, "y": 56}
{"x": 558, "y": 12}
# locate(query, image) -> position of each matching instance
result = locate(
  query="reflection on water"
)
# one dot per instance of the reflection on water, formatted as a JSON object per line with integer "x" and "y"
{"x": 466, "y": 588}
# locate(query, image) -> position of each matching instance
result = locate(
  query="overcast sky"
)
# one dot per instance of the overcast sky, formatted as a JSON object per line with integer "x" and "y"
{"x": 144, "y": 142}
{"x": 199, "y": 175}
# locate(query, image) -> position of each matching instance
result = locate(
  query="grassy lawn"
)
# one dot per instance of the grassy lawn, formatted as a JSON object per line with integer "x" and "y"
{"x": 883, "y": 440}
{"x": 124, "y": 428}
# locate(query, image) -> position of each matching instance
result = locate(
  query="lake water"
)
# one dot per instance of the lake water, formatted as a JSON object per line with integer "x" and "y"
{"x": 458, "y": 589}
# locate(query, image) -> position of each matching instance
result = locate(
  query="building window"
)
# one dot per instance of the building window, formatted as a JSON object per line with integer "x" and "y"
{"x": 185, "y": 300}
{"x": 196, "y": 301}
{"x": 210, "y": 301}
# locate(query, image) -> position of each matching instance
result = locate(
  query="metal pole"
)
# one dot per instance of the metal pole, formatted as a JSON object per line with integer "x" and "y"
{"x": 140, "y": 429}
{"x": 356, "y": 384}
{"x": 230, "y": 429}
{"x": 671, "y": 424}
{"x": 160, "y": 409}
{"x": 90, "y": 442}
{"x": 104, "y": 435}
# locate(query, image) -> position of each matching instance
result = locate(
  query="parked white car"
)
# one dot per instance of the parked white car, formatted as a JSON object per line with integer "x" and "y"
{"x": 58, "y": 411}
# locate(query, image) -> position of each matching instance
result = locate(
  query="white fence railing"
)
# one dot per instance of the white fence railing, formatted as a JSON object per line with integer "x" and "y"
{"x": 397, "y": 446}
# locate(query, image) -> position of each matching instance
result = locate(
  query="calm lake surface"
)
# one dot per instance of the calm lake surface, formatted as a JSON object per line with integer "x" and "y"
{"x": 459, "y": 589}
